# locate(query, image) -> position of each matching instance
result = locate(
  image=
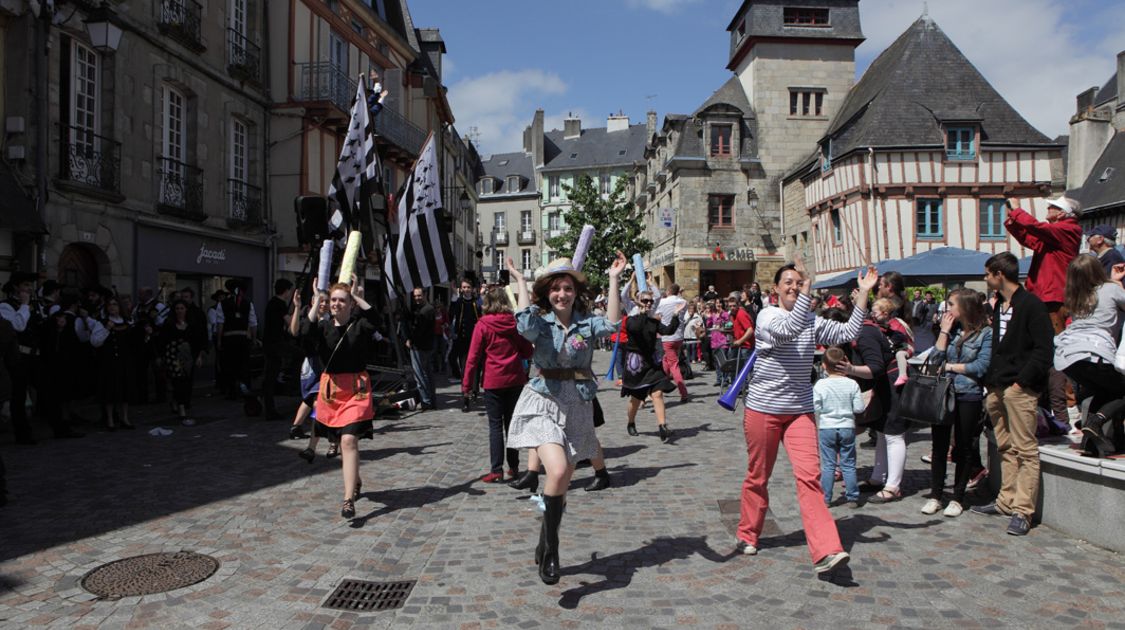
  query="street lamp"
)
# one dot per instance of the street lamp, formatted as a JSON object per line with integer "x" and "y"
{"x": 105, "y": 36}
{"x": 466, "y": 203}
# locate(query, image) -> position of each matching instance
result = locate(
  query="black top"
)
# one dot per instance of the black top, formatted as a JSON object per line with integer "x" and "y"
{"x": 236, "y": 314}
{"x": 422, "y": 327}
{"x": 1026, "y": 351}
{"x": 642, "y": 331}
{"x": 873, "y": 350}
{"x": 346, "y": 356}
{"x": 194, "y": 334}
{"x": 277, "y": 321}
{"x": 1110, "y": 258}
{"x": 464, "y": 315}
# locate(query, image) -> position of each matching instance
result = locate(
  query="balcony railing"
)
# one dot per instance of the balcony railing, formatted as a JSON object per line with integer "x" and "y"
{"x": 555, "y": 232}
{"x": 323, "y": 81}
{"x": 245, "y": 205}
{"x": 180, "y": 189}
{"x": 244, "y": 57}
{"x": 393, "y": 127}
{"x": 182, "y": 20}
{"x": 500, "y": 236}
{"x": 91, "y": 160}
{"x": 526, "y": 237}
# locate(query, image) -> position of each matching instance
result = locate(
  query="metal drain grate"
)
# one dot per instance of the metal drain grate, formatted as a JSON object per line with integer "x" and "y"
{"x": 149, "y": 574}
{"x": 363, "y": 596}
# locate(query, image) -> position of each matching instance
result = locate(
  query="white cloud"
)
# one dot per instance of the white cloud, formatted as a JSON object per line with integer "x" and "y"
{"x": 1025, "y": 48}
{"x": 663, "y": 6}
{"x": 500, "y": 104}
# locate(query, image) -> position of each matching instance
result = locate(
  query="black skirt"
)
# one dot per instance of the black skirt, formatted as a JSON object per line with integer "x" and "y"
{"x": 642, "y": 376}
{"x": 363, "y": 430}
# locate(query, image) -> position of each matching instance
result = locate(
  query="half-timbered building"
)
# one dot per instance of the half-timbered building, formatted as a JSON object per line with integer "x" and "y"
{"x": 922, "y": 154}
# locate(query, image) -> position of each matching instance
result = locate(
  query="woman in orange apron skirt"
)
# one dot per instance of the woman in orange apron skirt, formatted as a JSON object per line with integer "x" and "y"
{"x": 344, "y": 405}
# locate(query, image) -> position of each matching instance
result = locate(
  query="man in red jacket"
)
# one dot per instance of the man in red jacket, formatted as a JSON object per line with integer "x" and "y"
{"x": 1054, "y": 244}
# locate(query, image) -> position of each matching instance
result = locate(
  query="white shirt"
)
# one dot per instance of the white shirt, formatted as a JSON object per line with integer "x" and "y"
{"x": 667, "y": 309}
{"x": 18, "y": 317}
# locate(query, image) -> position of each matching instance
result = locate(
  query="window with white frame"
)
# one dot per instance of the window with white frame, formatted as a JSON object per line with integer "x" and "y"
{"x": 513, "y": 183}
{"x": 498, "y": 261}
{"x": 239, "y": 176}
{"x": 605, "y": 181}
{"x": 84, "y": 111}
{"x": 238, "y": 16}
{"x": 174, "y": 120}
{"x": 525, "y": 258}
{"x": 554, "y": 223}
{"x": 553, "y": 186}
{"x": 525, "y": 221}
{"x": 499, "y": 221}
{"x": 487, "y": 186}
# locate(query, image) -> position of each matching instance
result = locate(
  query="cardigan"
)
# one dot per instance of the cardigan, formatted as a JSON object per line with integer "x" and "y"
{"x": 1023, "y": 354}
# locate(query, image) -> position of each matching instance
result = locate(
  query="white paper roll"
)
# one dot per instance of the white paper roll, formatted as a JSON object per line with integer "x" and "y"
{"x": 583, "y": 247}
{"x": 323, "y": 277}
{"x": 351, "y": 252}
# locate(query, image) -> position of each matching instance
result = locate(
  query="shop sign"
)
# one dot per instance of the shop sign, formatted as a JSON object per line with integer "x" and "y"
{"x": 667, "y": 218}
{"x": 663, "y": 259}
{"x": 210, "y": 256}
{"x": 745, "y": 254}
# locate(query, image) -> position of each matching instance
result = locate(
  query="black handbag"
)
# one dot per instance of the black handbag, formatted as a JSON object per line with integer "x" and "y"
{"x": 928, "y": 396}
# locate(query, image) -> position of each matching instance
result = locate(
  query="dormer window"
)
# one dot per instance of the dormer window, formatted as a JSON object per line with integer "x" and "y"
{"x": 742, "y": 29}
{"x": 804, "y": 16}
{"x": 514, "y": 183}
{"x": 487, "y": 186}
{"x": 720, "y": 140}
{"x": 960, "y": 143}
{"x": 826, "y": 156}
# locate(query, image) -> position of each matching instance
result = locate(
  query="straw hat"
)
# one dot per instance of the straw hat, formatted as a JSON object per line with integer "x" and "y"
{"x": 557, "y": 267}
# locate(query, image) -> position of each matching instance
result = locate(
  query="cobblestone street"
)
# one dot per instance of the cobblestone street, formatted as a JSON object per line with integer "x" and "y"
{"x": 655, "y": 550}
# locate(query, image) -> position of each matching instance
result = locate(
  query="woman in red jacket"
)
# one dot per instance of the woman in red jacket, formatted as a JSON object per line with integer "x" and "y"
{"x": 502, "y": 349}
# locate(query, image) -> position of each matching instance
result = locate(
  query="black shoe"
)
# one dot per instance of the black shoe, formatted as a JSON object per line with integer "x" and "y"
{"x": 988, "y": 509}
{"x": 333, "y": 450}
{"x": 465, "y": 405}
{"x": 632, "y": 429}
{"x": 358, "y": 490}
{"x": 1018, "y": 525}
{"x": 68, "y": 433}
{"x": 308, "y": 455}
{"x": 552, "y": 517}
{"x": 600, "y": 482}
{"x": 529, "y": 480}
{"x": 297, "y": 433}
{"x": 665, "y": 433}
{"x": 348, "y": 511}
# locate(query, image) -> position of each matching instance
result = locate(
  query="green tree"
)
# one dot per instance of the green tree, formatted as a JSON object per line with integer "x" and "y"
{"x": 617, "y": 226}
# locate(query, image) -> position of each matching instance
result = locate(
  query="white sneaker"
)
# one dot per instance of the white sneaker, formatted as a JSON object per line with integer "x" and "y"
{"x": 953, "y": 510}
{"x": 746, "y": 548}
{"x": 931, "y": 507}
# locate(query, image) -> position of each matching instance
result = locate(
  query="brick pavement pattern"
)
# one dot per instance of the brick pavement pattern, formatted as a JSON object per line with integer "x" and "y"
{"x": 656, "y": 550}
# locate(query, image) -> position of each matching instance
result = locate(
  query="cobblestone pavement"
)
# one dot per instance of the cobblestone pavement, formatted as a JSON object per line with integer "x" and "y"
{"x": 654, "y": 551}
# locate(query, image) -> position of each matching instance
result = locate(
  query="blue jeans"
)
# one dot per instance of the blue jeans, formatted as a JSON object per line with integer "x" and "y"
{"x": 840, "y": 442}
{"x": 422, "y": 362}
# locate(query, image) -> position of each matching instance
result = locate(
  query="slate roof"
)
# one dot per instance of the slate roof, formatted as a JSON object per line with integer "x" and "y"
{"x": 1096, "y": 194}
{"x": 765, "y": 19}
{"x": 1108, "y": 91}
{"x": 916, "y": 83}
{"x": 518, "y": 163}
{"x": 595, "y": 148}
{"x": 731, "y": 93}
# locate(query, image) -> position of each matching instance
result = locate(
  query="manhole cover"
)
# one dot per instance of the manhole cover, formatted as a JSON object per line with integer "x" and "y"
{"x": 362, "y": 596}
{"x": 152, "y": 573}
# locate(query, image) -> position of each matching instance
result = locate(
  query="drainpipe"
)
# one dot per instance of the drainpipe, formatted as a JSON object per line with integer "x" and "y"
{"x": 41, "y": 117}
{"x": 267, "y": 198}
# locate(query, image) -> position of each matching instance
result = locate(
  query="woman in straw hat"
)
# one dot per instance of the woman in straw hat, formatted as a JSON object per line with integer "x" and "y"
{"x": 555, "y": 412}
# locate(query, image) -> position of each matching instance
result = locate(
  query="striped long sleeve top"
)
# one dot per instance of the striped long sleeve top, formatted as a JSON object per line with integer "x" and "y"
{"x": 781, "y": 382}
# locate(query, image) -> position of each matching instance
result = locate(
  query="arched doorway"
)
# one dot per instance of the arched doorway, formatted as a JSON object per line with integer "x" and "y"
{"x": 78, "y": 266}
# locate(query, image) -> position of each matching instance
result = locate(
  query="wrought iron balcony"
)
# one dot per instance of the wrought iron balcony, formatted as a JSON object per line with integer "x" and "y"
{"x": 182, "y": 20}
{"x": 180, "y": 191}
{"x": 245, "y": 205}
{"x": 244, "y": 57}
{"x": 500, "y": 236}
{"x": 526, "y": 237}
{"x": 394, "y": 128}
{"x": 555, "y": 232}
{"x": 91, "y": 160}
{"x": 323, "y": 81}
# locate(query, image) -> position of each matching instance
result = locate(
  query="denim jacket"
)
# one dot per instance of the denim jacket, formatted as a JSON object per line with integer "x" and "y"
{"x": 559, "y": 347}
{"x": 975, "y": 353}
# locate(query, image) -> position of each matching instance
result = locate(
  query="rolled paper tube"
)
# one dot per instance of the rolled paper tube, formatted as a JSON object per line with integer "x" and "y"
{"x": 351, "y": 252}
{"x": 511, "y": 295}
{"x": 323, "y": 272}
{"x": 639, "y": 271}
{"x": 583, "y": 246}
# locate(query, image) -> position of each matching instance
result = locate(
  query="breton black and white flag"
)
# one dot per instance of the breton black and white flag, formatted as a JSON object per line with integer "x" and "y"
{"x": 421, "y": 255}
{"x": 358, "y": 166}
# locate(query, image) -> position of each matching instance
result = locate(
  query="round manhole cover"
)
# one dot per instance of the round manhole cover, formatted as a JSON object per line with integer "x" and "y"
{"x": 146, "y": 575}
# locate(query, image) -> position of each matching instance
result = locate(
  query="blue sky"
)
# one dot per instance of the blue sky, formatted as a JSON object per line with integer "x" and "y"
{"x": 508, "y": 57}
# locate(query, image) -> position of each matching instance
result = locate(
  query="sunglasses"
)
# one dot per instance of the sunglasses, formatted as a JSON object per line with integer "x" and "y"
{"x": 646, "y": 301}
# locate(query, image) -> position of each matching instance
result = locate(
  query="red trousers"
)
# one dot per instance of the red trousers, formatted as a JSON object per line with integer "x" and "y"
{"x": 798, "y": 432}
{"x": 671, "y": 365}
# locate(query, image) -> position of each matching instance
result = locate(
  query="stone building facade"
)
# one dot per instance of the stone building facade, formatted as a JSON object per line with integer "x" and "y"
{"x": 1096, "y": 154}
{"x": 147, "y": 155}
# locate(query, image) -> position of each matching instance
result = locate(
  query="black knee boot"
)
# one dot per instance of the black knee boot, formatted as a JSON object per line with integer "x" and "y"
{"x": 549, "y": 566}
{"x": 529, "y": 480}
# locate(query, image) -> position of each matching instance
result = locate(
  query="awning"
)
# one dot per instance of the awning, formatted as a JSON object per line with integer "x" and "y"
{"x": 944, "y": 264}
{"x": 17, "y": 210}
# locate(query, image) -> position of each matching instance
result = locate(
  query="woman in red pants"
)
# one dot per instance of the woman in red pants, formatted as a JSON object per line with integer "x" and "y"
{"x": 779, "y": 408}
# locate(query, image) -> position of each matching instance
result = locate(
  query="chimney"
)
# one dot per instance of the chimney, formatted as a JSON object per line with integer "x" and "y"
{"x": 537, "y": 138}
{"x": 616, "y": 122}
{"x": 651, "y": 124}
{"x": 572, "y": 127}
{"x": 1121, "y": 77}
{"x": 1085, "y": 100}
{"x": 433, "y": 46}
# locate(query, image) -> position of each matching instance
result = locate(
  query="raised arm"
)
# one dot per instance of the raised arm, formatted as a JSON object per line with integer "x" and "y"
{"x": 832, "y": 333}
{"x": 613, "y": 308}
{"x": 523, "y": 296}
{"x": 314, "y": 308}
